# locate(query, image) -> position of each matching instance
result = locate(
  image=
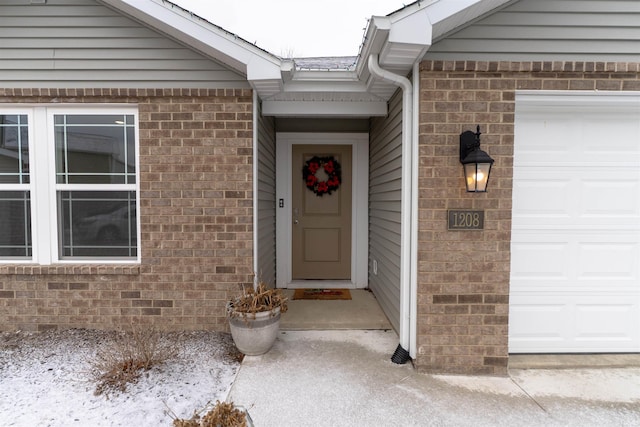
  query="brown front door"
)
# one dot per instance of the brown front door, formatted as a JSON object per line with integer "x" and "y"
{"x": 321, "y": 213}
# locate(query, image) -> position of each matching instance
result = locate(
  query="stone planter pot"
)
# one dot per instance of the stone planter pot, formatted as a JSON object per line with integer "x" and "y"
{"x": 254, "y": 334}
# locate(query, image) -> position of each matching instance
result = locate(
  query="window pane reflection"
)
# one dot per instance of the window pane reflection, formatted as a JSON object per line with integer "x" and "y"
{"x": 15, "y": 224}
{"x": 14, "y": 149}
{"x": 95, "y": 149}
{"x": 97, "y": 224}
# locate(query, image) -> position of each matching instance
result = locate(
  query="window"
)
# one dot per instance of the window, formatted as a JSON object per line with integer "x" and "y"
{"x": 15, "y": 195}
{"x": 78, "y": 200}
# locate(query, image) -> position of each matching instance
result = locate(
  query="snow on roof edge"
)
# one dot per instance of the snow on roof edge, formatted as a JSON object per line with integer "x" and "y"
{"x": 194, "y": 16}
{"x": 328, "y": 63}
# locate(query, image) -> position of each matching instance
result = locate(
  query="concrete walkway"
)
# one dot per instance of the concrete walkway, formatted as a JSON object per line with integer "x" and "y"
{"x": 361, "y": 312}
{"x": 346, "y": 378}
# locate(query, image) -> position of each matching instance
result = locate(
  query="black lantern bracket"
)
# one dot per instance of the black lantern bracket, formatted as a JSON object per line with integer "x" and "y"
{"x": 469, "y": 141}
{"x": 477, "y": 164}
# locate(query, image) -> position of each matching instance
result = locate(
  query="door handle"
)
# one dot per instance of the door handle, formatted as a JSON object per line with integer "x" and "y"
{"x": 295, "y": 216}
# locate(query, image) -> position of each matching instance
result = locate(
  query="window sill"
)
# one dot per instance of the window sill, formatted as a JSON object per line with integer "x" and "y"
{"x": 94, "y": 269}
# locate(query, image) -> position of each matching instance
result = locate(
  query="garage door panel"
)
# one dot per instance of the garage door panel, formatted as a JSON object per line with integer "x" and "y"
{"x": 604, "y": 135}
{"x": 575, "y": 269}
{"x": 536, "y": 320}
{"x": 619, "y": 330}
{"x": 610, "y": 198}
{"x": 578, "y": 259}
{"x": 607, "y": 262}
{"x": 567, "y": 198}
{"x": 540, "y": 324}
{"x": 544, "y": 198}
{"x": 537, "y": 140}
{"x": 546, "y": 261}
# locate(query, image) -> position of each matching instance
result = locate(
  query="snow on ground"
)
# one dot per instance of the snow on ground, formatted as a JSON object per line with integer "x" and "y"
{"x": 45, "y": 380}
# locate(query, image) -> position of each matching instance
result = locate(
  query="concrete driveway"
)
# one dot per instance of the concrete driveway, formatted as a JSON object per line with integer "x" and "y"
{"x": 346, "y": 378}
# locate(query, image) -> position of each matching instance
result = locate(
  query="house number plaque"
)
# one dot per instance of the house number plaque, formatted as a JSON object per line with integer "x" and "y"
{"x": 466, "y": 220}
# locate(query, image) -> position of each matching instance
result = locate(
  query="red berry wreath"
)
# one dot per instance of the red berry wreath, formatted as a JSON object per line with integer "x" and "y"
{"x": 331, "y": 168}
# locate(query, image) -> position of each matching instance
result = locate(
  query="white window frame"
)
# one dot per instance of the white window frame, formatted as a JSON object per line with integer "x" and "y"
{"x": 43, "y": 187}
{"x": 23, "y": 187}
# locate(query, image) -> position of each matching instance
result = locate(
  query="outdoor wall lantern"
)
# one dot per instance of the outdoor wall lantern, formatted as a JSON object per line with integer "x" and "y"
{"x": 476, "y": 163}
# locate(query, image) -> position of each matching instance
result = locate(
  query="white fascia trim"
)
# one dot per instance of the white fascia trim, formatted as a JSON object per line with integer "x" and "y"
{"x": 412, "y": 29}
{"x": 212, "y": 41}
{"x": 307, "y": 86}
{"x": 441, "y": 10}
{"x": 444, "y": 18}
{"x": 324, "y": 109}
{"x": 324, "y": 75}
{"x": 375, "y": 37}
{"x": 327, "y": 81}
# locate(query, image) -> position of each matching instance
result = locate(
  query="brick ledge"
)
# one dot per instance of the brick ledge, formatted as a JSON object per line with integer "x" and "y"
{"x": 530, "y": 66}
{"x": 68, "y": 269}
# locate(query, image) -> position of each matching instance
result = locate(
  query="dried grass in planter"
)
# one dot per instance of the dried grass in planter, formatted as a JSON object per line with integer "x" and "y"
{"x": 259, "y": 300}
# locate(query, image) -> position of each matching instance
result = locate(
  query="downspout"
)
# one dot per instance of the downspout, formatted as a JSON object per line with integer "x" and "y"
{"x": 256, "y": 111}
{"x": 402, "y": 353}
{"x": 415, "y": 168}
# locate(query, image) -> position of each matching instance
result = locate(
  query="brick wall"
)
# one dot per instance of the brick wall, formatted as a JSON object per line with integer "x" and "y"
{"x": 463, "y": 288}
{"x": 196, "y": 221}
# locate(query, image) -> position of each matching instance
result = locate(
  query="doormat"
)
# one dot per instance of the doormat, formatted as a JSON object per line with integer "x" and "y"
{"x": 322, "y": 294}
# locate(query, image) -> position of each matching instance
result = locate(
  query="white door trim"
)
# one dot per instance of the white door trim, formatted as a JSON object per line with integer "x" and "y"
{"x": 360, "y": 205}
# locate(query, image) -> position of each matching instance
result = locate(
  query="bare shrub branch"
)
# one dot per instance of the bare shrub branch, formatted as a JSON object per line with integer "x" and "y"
{"x": 222, "y": 414}
{"x": 132, "y": 353}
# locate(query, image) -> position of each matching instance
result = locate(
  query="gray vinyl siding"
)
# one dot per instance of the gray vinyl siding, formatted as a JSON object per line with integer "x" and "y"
{"x": 548, "y": 30}
{"x": 83, "y": 44}
{"x": 385, "y": 185}
{"x": 266, "y": 199}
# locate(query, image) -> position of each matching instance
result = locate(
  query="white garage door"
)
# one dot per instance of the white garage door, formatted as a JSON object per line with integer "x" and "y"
{"x": 575, "y": 267}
